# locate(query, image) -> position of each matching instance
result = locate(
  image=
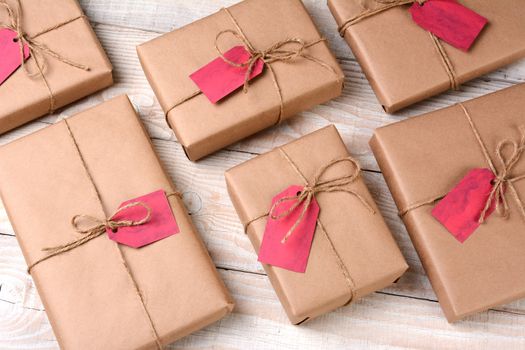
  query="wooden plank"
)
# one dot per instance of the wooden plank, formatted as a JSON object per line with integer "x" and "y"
{"x": 259, "y": 322}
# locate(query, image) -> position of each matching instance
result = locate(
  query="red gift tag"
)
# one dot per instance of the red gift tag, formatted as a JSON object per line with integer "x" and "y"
{"x": 218, "y": 78}
{"x": 449, "y": 21}
{"x": 293, "y": 254}
{"x": 461, "y": 208}
{"x": 10, "y": 58}
{"x": 162, "y": 223}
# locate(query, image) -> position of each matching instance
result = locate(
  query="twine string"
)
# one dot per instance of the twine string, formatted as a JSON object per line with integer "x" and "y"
{"x": 98, "y": 227}
{"x": 323, "y": 185}
{"x": 503, "y": 178}
{"x": 389, "y": 4}
{"x": 36, "y": 49}
{"x": 282, "y": 51}
{"x": 305, "y": 197}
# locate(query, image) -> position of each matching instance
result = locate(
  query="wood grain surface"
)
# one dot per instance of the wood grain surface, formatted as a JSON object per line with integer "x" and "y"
{"x": 405, "y": 315}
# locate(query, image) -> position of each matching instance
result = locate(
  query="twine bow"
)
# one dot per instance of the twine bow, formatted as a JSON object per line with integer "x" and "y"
{"x": 95, "y": 230}
{"x": 305, "y": 197}
{"x": 504, "y": 179}
{"x": 282, "y": 51}
{"x": 285, "y": 50}
{"x": 37, "y": 50}
{"x": 98, "y": 227}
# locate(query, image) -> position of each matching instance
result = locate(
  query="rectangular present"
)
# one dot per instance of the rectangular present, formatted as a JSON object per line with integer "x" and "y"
{"x": 53, "y": 27}
{"x": 353, "y": 252}
{"x": 306, "y": 77}
{"x": 422, "y": 159}
{"x": 103, "y": 295}
{"x": 401, "y": 60}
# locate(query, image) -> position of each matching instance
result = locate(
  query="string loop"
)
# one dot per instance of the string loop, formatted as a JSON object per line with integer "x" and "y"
{"x": 282, "y": 51}
{"x": 504, "y": 180}
{"x": 97, "y": 228}
{"x": 36, "y": 49}
{"x": 305, "y": 197}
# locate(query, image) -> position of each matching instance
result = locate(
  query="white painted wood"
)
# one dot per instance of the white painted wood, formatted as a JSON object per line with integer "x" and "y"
{"x": 403, "y": 316}
{"x": 258, "y": 322}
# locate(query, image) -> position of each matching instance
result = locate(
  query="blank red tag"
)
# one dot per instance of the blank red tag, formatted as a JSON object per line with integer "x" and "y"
{"x": 461, "y": 208}
{"x": 449, "y": 21}
{"x": 10, "y": 58}
{"x": 218, "y": 78}
{"x": 162, "y": 223}
{"x": 293, "y": 254}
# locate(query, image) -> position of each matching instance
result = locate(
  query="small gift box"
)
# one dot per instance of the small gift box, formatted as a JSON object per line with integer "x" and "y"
{"x": 406, "y": 64}
{"x": 63, "y": 60}
{"x": 97, "y": 181}
{"x": 458, "y": 178}
{"x": 274, "y": 39}
{"x": 317, "y": 193}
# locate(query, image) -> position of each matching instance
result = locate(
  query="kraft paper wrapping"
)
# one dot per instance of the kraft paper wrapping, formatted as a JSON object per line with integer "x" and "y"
{"x": 427, "y": 156}
{"x": 361, "y": 238}
{"x": 88, "y": 296}
{"x": 202, "y": 127}
{"x": 23, "y": 98}
{"x": 401, "y": 62}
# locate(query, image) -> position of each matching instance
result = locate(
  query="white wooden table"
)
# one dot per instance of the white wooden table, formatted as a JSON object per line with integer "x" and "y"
{"x": 406, "y": 315}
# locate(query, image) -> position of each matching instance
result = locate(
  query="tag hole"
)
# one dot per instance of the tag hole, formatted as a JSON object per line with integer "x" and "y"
{"x": 298, "y": 193}
{"x": 15, "y": 40}
{"x": 114, "y": 230}
{"x": 492, "y": 182}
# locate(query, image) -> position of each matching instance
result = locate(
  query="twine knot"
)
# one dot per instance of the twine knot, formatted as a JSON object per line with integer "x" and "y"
{"x": 305, "y": 197}
{"x": 97, "y": 228}
{"x": 285, "y": 50}
{"x": 277, "y": 52}
{"x": 112, "y": 224}
{"x": 36, "y": 49}
{"x": 504, "y": 179}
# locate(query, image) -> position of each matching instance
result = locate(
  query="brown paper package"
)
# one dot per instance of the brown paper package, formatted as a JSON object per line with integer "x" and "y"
{"x": 202, "y": 127}
{"x": 360, "y": 238}
{"x": 427, "y": 156}
{"x": 24, "y": 98}
{"x": 401, "y": 62}
{"x": 88, "y": 296}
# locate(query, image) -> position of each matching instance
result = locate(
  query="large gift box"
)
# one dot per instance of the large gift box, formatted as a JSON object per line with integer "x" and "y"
{"x": 405, "y": 64}
{"x": 59, "y": 186}
{"x": 299, "y": 72}
{"x": 353, "y": 252}
{"x": 475, "y": 148}
{"x": 65, "y": 60}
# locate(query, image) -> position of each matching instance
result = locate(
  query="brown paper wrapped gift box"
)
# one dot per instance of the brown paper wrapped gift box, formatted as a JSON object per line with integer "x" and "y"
{"x": 202, "y": 127}
{"x": 88, "y": 295}
{"x": 24, "y": 98}
{"x": 425, "y": 157}
{"x": 361, "y": 239}
{"x": 401, "y": 61}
